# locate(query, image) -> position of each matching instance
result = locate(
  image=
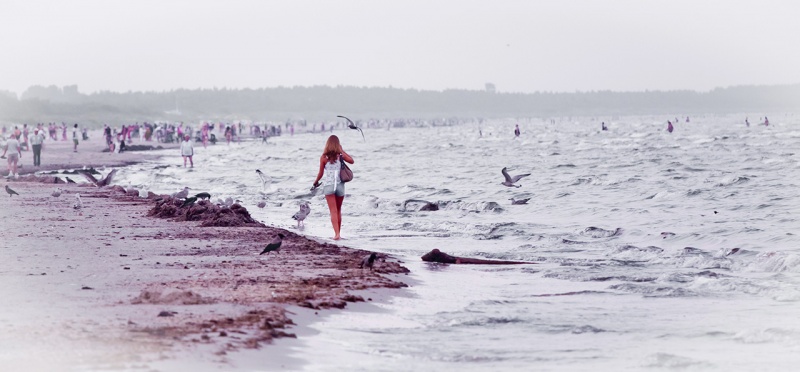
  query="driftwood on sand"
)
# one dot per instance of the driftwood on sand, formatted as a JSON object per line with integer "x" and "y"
{"x": 441, "y": 257}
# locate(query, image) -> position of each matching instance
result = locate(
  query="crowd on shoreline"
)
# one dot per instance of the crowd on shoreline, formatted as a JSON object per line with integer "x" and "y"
{"x": 23, "y": 137}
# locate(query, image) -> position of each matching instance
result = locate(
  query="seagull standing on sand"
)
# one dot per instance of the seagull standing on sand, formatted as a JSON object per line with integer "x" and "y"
{"x": 300, "y": 216}
{"x": 69, "y": 180}
{"x": 262, "y": 204}
{"x": 274, "y": 245}
{"x": 11, "y": 192}
{"x": 519, "y": 202}
{"x": 78, "y": 205}
{"x": 352, "y": 125}
{"x": 511, "y": 180}
{"x": 368, "y": 261}
{"x": 264, "y": 179}
{"x": 203, "y": 195}
{"x": 181, "y": 194}
{"x": 56, "y": 193}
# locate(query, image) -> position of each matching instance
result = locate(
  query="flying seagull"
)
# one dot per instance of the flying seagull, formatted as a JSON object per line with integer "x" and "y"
{"x": 353, "y": 126}
{"x": 203, "y": 195}
{"x": 519, "y": 202}
{"x": 300, "y": 216}
{"x": 99, "y": 183}
{"x": 368, "y": 261}
{"x": 56, "y": 193}
{"x": 511, "y": 180}
{"x": 264, "y": 179}
{"x": 274, "y": 245}
{"x": 183, "y": 194}
{"x": 11, "y": 192}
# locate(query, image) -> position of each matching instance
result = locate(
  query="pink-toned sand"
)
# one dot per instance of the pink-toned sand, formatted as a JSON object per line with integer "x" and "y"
{"x": 59, "y": 155}
{"x": 108, "y": 287}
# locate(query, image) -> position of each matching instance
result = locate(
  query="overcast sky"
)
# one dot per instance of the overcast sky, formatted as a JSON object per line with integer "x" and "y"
{"x": 520, "y": 46}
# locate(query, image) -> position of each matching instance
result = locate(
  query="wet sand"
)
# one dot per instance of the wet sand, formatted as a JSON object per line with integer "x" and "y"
{"x": 109, "y": 287}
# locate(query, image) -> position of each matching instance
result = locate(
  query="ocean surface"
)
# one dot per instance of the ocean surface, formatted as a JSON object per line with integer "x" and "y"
{"x": 652, "y": 251}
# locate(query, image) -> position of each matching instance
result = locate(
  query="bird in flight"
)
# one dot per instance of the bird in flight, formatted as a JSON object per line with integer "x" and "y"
{"x": 510, "y": 181}
{"x": 265, "y": 180}
{"x": 352, "y": 125}
{"x": 100, "y": 183}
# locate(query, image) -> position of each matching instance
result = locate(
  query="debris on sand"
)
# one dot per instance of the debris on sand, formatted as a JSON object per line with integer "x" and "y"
{"x": 208, "y": 213}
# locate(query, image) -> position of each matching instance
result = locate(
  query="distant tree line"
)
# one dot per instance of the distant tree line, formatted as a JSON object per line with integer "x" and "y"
{"x": 54, "y": 104}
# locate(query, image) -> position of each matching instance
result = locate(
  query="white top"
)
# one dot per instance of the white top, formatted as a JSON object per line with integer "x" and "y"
{"x": 37, "y": 138}
{"x": 12, "y": 146}
{"x": 331, "y": 176}
{"x": 186, "y": 148}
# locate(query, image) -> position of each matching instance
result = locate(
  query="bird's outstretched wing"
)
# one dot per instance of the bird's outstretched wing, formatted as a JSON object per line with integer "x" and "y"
{"x": 264, "y": 178}
{"x": 505, "y": 174}
{"x": 90, "y": 178}
{"x": 517, "y": 178}
{"x": 348, "y": 119}
{"x": 352, "y": 125}
{"x": 107, "y": 181}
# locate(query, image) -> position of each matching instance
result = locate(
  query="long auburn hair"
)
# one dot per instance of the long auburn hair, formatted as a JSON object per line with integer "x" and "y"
{"x": 332, "y": 149}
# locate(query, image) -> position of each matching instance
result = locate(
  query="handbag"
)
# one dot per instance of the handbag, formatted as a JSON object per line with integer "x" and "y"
{"x": 345, "y": 174}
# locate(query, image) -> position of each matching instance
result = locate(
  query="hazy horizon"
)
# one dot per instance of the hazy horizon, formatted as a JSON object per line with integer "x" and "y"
{"x": 520, "y": 46}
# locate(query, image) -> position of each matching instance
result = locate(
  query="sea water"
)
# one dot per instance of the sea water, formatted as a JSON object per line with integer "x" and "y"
{"x": 651, "y": 250}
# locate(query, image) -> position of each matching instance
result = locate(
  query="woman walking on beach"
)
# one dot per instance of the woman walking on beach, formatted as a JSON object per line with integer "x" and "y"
{"x": 187, "y": 150}
{"x": 329, "y": 166}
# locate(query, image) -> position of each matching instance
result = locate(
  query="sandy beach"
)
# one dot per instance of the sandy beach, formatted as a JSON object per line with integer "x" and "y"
{"x": 109, "y": 287}
{"x": 58, "y": 155}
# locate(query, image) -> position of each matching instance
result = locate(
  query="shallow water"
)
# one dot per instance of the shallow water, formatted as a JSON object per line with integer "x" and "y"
{"x": 608, "y": 291}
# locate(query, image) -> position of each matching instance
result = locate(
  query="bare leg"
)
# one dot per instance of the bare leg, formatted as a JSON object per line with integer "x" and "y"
{"x": 339, "y": 200}
{"x": 191, "y": 162}
{"x": 331, "y": 199}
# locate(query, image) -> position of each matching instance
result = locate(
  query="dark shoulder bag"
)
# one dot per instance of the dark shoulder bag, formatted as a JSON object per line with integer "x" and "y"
{"x": 345, "y": 174}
